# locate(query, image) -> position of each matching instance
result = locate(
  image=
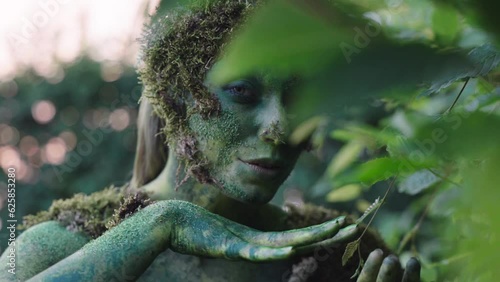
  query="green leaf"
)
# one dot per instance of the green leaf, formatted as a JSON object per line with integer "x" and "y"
{"x": 418, "y": 182}
{"x": 285, "y": 37}
{"x": 344, "y": 194}
{"x": 374, "y": 171}
{"x": 480, "y": 61}
{"x": 306, "y": 129}
{"x": 445, "y": 23}
{"x": 350, "y": 249}
{"x": 346, "y": 156}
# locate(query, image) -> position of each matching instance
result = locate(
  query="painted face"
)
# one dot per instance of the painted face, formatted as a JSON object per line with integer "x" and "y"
{"x": 245, "y": 146}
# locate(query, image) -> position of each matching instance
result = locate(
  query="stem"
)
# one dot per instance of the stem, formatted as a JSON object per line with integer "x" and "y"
{"x": 458, "y": 97}
{"x": 381, "y": 203}
{"x": 413, "y": 232}
{"x": 449, "y": 260}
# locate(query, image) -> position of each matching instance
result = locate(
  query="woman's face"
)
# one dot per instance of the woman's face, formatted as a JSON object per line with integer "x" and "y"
{"x": 246, "y": 145}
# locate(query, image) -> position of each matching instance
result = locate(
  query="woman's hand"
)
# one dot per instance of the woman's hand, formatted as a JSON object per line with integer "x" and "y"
{"x": 196, "y": 231}
{"x": 131, "y": 247}
{"x": 378, "y": 269}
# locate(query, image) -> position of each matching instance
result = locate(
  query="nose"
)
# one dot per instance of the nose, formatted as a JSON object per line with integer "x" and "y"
{"x": 273, "y": 122}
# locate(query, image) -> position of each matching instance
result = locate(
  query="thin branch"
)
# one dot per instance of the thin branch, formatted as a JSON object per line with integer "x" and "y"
{"x": 391, "y": 185}
{"x": 458, "y": 97}
{"x": 410, "y": 236}
{"x": 444, "y": 178}
{"x": 449, "y": 260}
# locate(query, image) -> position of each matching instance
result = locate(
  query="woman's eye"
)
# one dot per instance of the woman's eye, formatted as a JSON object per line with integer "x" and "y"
{"x": 242, "y": 92}
{"x": 238, "y": 90}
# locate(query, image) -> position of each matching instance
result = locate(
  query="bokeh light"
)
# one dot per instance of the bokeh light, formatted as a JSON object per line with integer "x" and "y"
{"x": 9, "y": 157}
{"x": 43, "y": 111}
{"x": 69, "y": 139}
{"x": 28, "y": 146}
{"x": 111, "y": 71}
{"x": 119, "y": 119}
{"x": 8, "y": 135}
{"x": 54, "y": 151}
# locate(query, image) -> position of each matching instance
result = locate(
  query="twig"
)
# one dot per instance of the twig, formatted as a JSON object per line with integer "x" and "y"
{"x": 458, "y": 97}
{"x": 391, "y": 185}
{"x": 413, "y": 232}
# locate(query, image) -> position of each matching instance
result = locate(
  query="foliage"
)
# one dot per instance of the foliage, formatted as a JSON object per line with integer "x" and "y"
{"x": 434, "y": 67}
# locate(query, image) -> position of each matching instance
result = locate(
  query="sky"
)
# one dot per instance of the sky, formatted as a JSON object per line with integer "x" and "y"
{"x": 41, "y": 33}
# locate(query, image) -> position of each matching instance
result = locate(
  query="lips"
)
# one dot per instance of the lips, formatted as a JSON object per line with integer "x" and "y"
{"x": 265, "y": 166}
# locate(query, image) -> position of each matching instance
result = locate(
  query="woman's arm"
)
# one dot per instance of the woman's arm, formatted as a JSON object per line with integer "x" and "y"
{"x": 127, "y": 250}
{"x": 122, "y": 253}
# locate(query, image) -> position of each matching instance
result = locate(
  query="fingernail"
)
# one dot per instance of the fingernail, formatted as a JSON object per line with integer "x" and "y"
{"x": 377, "y": 254}
{"x": 413, "y": 265}
{"x": 391, "y": 259}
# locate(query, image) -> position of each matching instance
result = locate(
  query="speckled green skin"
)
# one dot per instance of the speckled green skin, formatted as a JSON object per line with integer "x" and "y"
{"x": 40, "y": 247}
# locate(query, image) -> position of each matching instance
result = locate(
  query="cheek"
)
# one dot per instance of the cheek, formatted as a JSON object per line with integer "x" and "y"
{"x": 217, "y": 137}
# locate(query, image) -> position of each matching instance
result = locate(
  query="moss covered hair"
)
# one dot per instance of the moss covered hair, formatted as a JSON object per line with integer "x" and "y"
{"x": 179, "y": 46}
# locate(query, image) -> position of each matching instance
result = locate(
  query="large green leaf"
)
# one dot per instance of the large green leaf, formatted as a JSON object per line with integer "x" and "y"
{"x": 285, "y": 37}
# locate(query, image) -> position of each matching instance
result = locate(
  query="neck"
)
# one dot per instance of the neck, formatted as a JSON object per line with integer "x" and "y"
{"x": 164, "y": 187}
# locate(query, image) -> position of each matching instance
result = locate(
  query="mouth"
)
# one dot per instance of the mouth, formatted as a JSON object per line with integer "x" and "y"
{"x": 265, "y": 166}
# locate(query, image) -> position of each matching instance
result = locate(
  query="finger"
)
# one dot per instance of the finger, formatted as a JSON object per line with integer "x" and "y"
{"x": 256, "y": 253}
{"x": 342, "y": 236}
{"x": 390, "y": 271}
{"x": 296, "y": 237}
{"x": 412, "y": 271}
{"x": 371, "y": 267}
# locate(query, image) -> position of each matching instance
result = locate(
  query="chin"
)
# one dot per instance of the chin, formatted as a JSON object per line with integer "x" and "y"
{"x": 257, "y": 199}
{"x": 251, "y": 195}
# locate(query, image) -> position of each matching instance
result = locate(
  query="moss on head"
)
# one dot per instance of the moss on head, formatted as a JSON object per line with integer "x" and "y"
{"x": 177, "y": 51}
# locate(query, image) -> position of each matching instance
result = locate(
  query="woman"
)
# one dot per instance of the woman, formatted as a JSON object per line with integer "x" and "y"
{"x": 227, "y": 156}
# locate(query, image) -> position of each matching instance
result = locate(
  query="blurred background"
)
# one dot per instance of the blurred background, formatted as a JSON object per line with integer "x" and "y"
{"x": 68, "y": 97}
{"x": 69, "y": 93}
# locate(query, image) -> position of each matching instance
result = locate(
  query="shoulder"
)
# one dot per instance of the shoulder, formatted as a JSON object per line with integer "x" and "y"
{"x": 90, "y": 214}
{"x": 38, "y": 248}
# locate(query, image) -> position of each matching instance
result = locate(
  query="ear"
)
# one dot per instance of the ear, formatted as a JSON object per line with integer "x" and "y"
{"x": 152, "y": 151}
